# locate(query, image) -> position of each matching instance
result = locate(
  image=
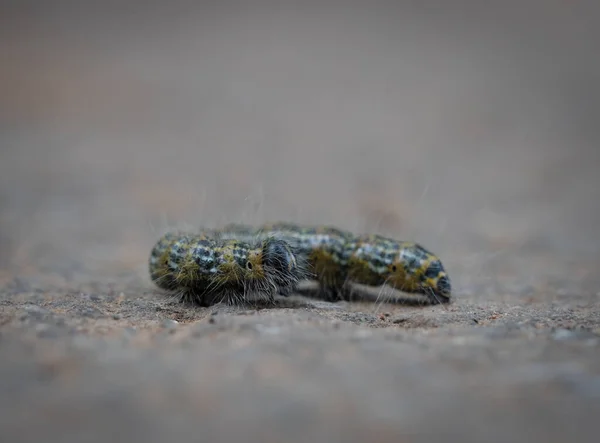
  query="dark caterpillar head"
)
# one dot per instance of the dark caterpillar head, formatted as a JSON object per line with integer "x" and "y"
{"x": 436, "y": 282}
{"x": 281, "y": 265}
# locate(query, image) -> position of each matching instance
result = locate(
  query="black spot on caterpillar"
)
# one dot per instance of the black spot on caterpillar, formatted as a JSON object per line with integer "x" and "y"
{"x": 336, "y": 258}
{"x": 206, "y": 269}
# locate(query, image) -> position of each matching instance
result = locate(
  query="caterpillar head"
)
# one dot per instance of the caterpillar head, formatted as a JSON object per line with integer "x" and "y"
{"x": 281, "y": 265}
{"x": 415, "y": 269}
{"x": 269, "y": 267}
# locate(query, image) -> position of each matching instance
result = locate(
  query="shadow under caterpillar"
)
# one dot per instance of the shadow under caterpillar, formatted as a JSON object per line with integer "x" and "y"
{"x": 337, "y": 259}
{"x": 206, "y": 268}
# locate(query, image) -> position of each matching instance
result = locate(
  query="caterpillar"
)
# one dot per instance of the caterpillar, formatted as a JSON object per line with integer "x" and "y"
{"x": 206, "y": 268}
{"x": 339, "y": 258}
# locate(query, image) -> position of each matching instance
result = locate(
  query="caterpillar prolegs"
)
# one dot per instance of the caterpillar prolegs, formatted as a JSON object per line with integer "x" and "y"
{"x": 337, "y": 259}
{"x": 208, "y": 269}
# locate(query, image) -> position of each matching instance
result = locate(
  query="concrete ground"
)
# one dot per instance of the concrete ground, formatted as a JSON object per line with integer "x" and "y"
{"x": 469, "y": 129}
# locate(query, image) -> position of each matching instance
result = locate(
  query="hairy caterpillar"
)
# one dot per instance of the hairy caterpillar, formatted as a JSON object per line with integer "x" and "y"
{"x": 209, "y": 269}
{"x": 337, "y": 258}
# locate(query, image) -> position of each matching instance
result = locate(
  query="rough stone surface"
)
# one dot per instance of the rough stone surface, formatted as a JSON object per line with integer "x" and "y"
{"x": 469, "y": 132}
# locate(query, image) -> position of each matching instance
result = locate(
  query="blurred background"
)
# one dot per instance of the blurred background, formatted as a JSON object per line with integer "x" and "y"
{"x": 468, "y": 126}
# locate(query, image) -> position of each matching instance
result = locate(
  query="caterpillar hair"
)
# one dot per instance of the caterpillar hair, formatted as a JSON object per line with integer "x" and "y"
{"x": 208, "y": 269}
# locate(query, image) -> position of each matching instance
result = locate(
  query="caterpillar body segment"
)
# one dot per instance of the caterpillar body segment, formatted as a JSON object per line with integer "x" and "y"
{"x": 209, "y": 270}
{"x": 337, "y": 258}
{"x": 283, "y": 263}
{"x": 166, "y": 259}
{"x": 405, "y": 266}
{"x": 323, "y": 250}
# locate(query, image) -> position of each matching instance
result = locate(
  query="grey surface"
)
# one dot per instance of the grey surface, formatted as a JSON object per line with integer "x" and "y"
{"x": 470, "y": 127}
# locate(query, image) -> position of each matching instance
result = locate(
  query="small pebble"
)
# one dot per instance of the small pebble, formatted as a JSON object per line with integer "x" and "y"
{"x": 325, "y": 306}
{"x": 268, "y": 330}
{"x": 21, "y": 285}
{"x": 45, "y": 331}
{"x": 129, "y": 331}
{"x": 563, "y": 334}
{"x": 363, "y": 333}
{"x": 94, "y": 297}
{"x": 169, "y": 324}
{"x": 91, "y": 312}
{"x": 33, "y": 311}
